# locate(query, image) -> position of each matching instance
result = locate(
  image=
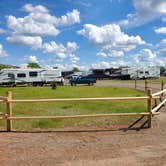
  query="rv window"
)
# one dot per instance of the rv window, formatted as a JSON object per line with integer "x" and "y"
{"x": 11, "y": 75}
{"x": 21, "y": 75}
{"x": 33, "y": 74}
{"x": 147, "y": 72}
{"x": 141, "y": 72}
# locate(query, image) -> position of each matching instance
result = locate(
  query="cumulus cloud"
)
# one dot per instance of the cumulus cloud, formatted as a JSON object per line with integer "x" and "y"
{"x": 161, "y": 47}
{"x": 113, "y": 41}
{"x": 68, "y": 67}
{"x": 161, "y": 30}
{"x": 146, "y": 10}
{"x": 74, "y": 58}
{"x": 32, "y": 41}
{"x": 60, "y": 50}
{"x": 106, "y": 64}
{"x": 33, "y": 59}
{"x": 3, "y": 53}
{"x": 38, "y": 8}
{"x": 29, "y": 26}
{"x": 144, "y": 56}
{"x": 110, "y": 53}
{"x": 39, "y": 22}
{"x": 69, "y": 19}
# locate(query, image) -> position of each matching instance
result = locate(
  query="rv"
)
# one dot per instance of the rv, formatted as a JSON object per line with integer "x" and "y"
{"x": 30, "y": 76}
{"x": 140, "y": 73}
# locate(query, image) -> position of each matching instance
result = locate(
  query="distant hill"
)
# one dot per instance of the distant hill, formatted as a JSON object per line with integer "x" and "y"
{"x": 3, "y": 66}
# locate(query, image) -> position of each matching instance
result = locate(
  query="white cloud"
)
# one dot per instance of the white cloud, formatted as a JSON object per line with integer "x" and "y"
{"x": 60, "y": 50}
{"x": 33, "y": 41}
{"x": 108, "y": 35}
{"x": 146, "y": 10}
{"x": 69, "y": 19}
{"x": 101, "y": 65}
{"x": 110, "y": 53}
{"x": 38, "y": 8}
{"x": 113, "y": 41}
{"x": 161, "y": 30}
{"x": 144, "y": 56}
{"x": 3, "y": 53}
{"x": 31, "y": 26}
{"x": 101, "y": 54}
{"x": 105, "y": 64}
{"x": 74, "y": 58}
{"x": 32, "y": 59}
{"x": 161, "y": 47}
{"x": 39, "y": 22}
{"x": 68, "y": 67}
{"x": 24, "y": 66}
{"x": 160, "y": 61}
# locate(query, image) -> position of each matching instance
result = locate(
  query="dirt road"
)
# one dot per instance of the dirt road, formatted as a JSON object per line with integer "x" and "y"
{"x": 80, "y": 147}
{"x": 106, "y": 146}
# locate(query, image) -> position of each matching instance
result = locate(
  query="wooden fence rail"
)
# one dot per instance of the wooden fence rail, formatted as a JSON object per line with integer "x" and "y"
{"x": 9, "y": 101}
{"x": 148, "y": 84}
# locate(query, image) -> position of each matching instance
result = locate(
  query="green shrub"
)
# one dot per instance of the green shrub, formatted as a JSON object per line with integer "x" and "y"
{"x": 53, "y": 85}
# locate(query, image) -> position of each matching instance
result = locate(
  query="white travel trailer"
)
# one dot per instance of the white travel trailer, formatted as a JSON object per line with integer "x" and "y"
{"x": 141, "y": 73}
{"x": 30, "y": 76}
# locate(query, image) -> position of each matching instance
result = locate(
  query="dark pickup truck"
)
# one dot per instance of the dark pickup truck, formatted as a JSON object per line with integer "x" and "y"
{"x": 82, "y": 80}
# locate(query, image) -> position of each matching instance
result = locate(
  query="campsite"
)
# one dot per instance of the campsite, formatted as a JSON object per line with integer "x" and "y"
{"x": 82, "y": 83}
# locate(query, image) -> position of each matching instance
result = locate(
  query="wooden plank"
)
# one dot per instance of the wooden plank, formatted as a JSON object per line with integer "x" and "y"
{"x": 149, "y": 107}
{"x": 79, "y": 116}
{"x": 2, "y": 97}
{"x": 9, "y": 111}
{"x": 77, "y": 99}
{"x": 158, "y": 107}
{"x": 158, "y": 93}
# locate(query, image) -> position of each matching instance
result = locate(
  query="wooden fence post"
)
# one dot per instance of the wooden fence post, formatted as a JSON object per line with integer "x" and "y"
{"x": 149, "y": 107}
{"x": 9, "y": 111}
{"x": 135, "y": 84}
{"x": 162, "y": 87}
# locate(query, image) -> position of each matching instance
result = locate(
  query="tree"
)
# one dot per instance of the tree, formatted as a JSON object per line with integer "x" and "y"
{"x": 162, "y": 69}
{"x": 2, "y": 66}
{"x": 33, "y": 65}
{"x": 75, "y": 69}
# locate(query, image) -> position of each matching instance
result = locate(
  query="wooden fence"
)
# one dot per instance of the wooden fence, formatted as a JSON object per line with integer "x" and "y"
{"x": 8, "y": 100}
{"x": 146, "y": 84}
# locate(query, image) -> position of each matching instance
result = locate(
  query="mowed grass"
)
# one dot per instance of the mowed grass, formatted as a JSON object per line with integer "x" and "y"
{"x": 70, "y": 108}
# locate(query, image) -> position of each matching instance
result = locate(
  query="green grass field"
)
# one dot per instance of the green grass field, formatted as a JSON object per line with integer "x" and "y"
{"x": 70, "y": 108}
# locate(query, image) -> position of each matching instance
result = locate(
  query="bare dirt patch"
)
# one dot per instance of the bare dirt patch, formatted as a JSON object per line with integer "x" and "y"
{"x": 78, "y": 146}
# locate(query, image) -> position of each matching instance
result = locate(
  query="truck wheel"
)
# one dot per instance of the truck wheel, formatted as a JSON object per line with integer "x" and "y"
{"x": 34, "y": 84}
{"x": 41, "y": 84}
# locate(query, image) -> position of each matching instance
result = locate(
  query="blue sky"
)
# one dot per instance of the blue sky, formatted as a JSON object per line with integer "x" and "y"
{"x": 84, "y": 34}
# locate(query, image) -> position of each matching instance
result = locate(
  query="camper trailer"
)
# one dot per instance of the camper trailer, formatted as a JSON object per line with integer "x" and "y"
{"x": 30, "y": 76}
{"x": 140, "y": 73}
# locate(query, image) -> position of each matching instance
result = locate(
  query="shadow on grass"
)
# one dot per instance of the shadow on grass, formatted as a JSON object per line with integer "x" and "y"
{"x": 141, "y": 121}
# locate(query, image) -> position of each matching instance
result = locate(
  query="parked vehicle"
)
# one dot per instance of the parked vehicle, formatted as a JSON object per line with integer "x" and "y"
{"x": 82, "y": 80}
{"x": 30, "y": 76}
{"x": 140, "y": 73}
